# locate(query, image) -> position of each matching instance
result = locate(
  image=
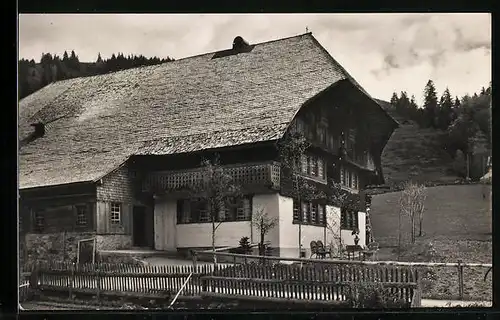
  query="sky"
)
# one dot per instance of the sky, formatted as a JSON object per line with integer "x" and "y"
{"x": 383, "y": 52}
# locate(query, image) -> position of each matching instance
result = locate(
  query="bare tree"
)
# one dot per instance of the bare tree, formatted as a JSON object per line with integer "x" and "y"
{"x": 333, "y": 222}
{"x": 218, "y": 190}
{"x": 291, "y": 149}
{"x": 264, "y": 223}
{"x": 411, "y": 203}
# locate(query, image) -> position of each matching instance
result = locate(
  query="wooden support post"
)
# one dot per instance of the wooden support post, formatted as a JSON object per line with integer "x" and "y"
{"x": 460, "y": 280}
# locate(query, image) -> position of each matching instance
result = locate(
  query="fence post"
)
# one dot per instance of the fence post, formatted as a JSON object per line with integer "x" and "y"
{"x": 460, "y": 280}
{"x": 72, "y": 280}
{"x": 98, "y": 280}
{"x": 194, "y": 256}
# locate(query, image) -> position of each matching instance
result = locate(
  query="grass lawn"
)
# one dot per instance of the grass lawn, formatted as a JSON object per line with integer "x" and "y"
{"x": 457, "y": 221}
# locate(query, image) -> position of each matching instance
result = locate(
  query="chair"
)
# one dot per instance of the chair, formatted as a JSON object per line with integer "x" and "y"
{"x": 372, "y": 250}
{"x": 321, "y": 250}
{"x": 314, "y": 248}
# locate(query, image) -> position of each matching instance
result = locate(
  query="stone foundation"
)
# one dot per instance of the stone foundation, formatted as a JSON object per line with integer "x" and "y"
{"x": 113, "y": 241}
{"x": 61, "y": 246}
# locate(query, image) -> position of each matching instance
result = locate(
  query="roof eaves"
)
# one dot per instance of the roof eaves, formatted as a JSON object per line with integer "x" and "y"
{"x": 351, "y": 79}
{"x": 111, "y": 170}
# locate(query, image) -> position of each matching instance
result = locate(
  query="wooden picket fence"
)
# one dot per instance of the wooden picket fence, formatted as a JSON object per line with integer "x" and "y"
{"x": 120, "y": 279}
{"x": 303, "y": 283}
{"x": 312, "y": 281}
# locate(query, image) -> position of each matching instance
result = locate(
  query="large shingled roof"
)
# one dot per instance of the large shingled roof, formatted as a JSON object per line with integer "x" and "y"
{"x": 186, "y": 105}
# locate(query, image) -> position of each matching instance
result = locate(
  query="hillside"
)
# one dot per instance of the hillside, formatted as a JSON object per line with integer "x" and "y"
{"x": 457, "y": 212}
{"x": 414, "y": 153}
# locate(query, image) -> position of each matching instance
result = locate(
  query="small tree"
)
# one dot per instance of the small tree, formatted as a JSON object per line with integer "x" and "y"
{"x": 333, "y": 222}
{"x": 218, "y": 190}
{"x": 412, "y": 205}
{"x": 291, "y": 149}
{"x": 264, "y": 223}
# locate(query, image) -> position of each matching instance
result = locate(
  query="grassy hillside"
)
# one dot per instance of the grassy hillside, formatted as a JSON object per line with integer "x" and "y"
{"x": 457, "y": 212}
{"x": 414, "y": 153}
{"x": 457, "y": 226}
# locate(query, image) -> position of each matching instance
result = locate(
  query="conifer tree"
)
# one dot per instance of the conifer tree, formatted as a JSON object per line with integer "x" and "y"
{"x": 445, "y": 110}
{"x": 430, "y": 104}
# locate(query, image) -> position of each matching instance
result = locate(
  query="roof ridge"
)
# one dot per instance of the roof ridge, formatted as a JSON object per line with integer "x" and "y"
{"x": 256, "y": 44}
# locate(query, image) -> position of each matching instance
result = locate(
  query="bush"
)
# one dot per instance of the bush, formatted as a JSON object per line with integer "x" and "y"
{"x": 372, "y": 295}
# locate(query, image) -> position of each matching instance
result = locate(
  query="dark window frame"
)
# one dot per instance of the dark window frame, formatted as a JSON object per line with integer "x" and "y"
{"x": 349, "y": 219}
{"x": 306, "y": 217}
{"x": 241, "y": 211}
{"x": 79, "y": 215}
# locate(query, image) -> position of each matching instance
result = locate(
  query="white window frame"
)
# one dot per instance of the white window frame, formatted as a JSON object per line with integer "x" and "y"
{"x": 81, "y": 218}
{"x": 115, "y": 213}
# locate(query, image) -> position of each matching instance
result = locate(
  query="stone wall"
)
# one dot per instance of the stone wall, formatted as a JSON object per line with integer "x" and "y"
{"x": 60, "y": 246}
{"x": 113, "y": 241}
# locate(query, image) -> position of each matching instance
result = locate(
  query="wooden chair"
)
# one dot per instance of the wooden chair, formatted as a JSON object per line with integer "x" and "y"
{"x": 372, "y": 251}
{"x": 322, "y": 252}
{"x": 314, "y": 248}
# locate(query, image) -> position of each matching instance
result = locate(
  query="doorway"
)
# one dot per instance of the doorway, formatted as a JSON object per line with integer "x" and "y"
{"x": 142, "y": 233}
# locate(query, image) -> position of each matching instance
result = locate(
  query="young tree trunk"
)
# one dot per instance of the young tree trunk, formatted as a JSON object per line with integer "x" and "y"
{"x": 412, "y": 229}
{"x": 421, "y": 219}
{"x": 300, "y": 214}
{"x": 399, "y": 235}
{"x": 214, "y": 257}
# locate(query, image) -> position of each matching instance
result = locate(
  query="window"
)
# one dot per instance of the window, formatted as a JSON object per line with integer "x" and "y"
{"x": 115, "y": 213}
{"x": 349, "y": 219}
{"x": 321, "y": 168}
{"x": 81, "y": 215}
{"x": 313, "y": 166}
{"x": 311, "y": 213}
{"x": 305, "y": 212}
{"x": 296, "y": 210}
{"x": 349, "y": 178}
{"x": 321, "y": 214}
{"x": 39, "y": 216}
{"x": 196, "y": 211}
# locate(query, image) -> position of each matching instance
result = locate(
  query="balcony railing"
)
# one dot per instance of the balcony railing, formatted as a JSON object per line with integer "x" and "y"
{"x": 363, "y": 160}
{"x": 245, "y": 175}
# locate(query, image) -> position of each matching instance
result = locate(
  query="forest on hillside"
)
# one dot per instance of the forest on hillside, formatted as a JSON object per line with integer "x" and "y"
{"x": 463, "y": 123}
{"x": 33, "y": 76}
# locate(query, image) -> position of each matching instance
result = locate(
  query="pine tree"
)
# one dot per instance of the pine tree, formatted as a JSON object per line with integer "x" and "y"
{"x": 394, "y": 99}
{"x": 74, "y": 63}
{"x": 430, "y": 104}
{"x": 99, "y": 59}
{"x": 65, "y": 57}
{"x": 445, "y": 110}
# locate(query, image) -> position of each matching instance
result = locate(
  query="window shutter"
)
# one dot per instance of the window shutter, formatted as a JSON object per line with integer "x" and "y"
{"x": 314, "y": 212}
{"x": 321, "y": 168}
{"x": 305, "y": 206}
{"x": 321, "y": 214}
{"x": 304, "y": 163}
{"x": 186, "y": 211}
{"x": 296, "y": 210}
{"x": 247, "y": 208}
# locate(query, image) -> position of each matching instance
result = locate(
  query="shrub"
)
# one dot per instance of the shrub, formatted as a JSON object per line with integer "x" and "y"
{"x": 371, "y": 295}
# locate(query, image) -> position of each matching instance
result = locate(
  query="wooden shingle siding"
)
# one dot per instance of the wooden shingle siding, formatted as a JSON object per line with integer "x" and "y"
{"x": 117, "y": 187}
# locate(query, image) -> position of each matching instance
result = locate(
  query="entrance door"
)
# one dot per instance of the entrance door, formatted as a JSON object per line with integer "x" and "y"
{"x": 139, "y": 227}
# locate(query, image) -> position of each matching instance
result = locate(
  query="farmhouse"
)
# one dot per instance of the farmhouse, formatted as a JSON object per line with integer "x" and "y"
{"x": 107, "y": 156}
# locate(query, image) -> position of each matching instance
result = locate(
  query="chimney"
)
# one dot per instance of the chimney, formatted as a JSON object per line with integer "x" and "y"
{"x": 39, "y": 130}
{"x": 239, "y": 44}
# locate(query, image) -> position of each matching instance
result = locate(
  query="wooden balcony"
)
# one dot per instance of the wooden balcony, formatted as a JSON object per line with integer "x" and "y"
{"x": 362, "y": 160}
{"x": 248, "y": 176}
